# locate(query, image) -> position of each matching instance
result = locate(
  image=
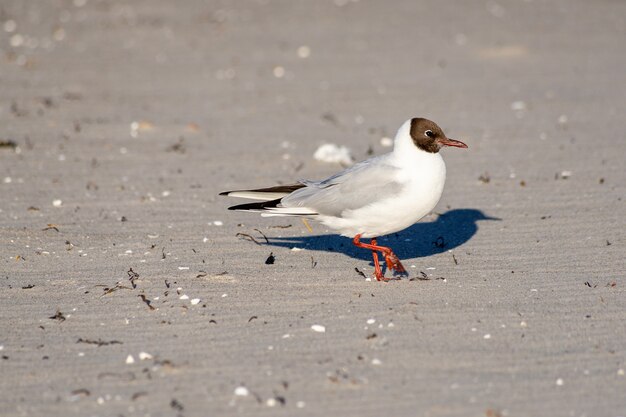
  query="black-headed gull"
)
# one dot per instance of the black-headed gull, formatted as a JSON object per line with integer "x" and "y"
{"x": 376, "y": 197}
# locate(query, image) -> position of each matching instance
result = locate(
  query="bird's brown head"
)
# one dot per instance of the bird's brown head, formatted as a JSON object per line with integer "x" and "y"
{"x": 429, "y": 137}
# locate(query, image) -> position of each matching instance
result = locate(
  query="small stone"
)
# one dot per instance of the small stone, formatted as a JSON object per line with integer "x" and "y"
{"x": 386, "y": 142}
{"x": 332, "y": 153}
{"x": 279, "y": 72}
{"x": 518, "y": 106}
{"x": 16, "y": 40}
{"x": 318, "y": 328}
{"x": 304, "y": 51}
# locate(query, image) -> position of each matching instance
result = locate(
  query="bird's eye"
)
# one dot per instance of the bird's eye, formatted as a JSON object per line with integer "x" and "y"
{"x": 429, "y": 133}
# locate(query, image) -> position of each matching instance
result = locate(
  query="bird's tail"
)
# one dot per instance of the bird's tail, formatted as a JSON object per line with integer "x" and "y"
{"x": 270, "y": 198}
{"x": 265, "y": 194}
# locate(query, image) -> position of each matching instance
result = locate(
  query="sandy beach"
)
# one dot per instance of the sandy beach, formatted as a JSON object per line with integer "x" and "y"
{"x": 128, "y": 289}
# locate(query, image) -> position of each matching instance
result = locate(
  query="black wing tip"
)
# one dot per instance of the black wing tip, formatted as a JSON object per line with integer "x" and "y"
{"x": 225, "y": 192}
{"x": 256, "y": 206}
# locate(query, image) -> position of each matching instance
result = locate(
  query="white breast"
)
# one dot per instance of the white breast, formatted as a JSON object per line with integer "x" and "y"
{"x": 423, "y": 176}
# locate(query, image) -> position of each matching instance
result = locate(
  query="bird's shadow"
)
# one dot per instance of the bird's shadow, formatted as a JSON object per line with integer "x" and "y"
{"x": 450, "y": 230}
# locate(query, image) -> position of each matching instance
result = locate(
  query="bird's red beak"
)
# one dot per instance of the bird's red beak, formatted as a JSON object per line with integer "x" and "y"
{"x": 452, "y": 142}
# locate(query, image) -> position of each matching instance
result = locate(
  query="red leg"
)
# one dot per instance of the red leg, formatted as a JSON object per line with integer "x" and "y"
{"x": 377, "y": 271}
{"x": 393, "y": 262}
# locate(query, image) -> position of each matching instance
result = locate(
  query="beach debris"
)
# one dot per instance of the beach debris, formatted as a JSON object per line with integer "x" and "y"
{"x": 318, "y": 328}
{"x": 332, "y": 153}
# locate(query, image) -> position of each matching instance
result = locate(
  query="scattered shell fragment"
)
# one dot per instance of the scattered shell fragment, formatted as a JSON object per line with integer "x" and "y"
{"x": 242, "y": 391}
{"x": 183, "y": 268}
{"x": 318, "y": 328}
{"x": 278, "y": 71}
{"x": 304, "y": 51}
{"x": 57, "y": 203}
{"x": 376, "y": 361}
{"x": 518, "y": 105}
{"x": 332, "y": 153}
{"x": 271, "y": 402}
{"x": 184, "y": 297}
{"x": 195, "y": 301}
{"x": 143, "y": 356}
{"x": 559, "y": 382}
{"x": 386, "y": 141}
{"x": 487, "y": 336}
{"x": 130, "y": 360}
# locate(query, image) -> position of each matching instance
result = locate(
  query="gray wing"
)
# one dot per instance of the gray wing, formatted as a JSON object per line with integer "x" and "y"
{"x": 358, "y": 186}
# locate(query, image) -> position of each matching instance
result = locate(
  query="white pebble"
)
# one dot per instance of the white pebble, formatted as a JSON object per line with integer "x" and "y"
{"x": 144, "y": 356}
{"x": 620, "y": 372}
{"x": 332, "y": 153}
{"x": 195, "y": 301}
{"x": 183, "y": 268}
{"x": 300, "y": 404}
{"x": 386, "y": 142}
{"x": 166, "y": 193}
{"x": 16, "y": 40}
{"x": 566, "y": 174}
{"x": 562, "y": 119}
{"x": 279, "y": 72}
{"x": 242, "y": 391}
{"x": 559, "y": 382}
{"x": 205, "y": 240}
{"x": 318, "y": 328}
{"x": 184, "y": 297}
{"x": 376, "y": 361}
{"x": 518, "y": 105}
{"x": 523, "y": 324}
{"x": 57, "y": 203}
{"x": 130, "y": 360}
{"x": 271, "y": 402}
{"x": 304, "y": 51}
{"x": 7, "y": 180}
{"x": 218, "y": 223}
{"x": 371, "y": 321}
{"x": 224, "y": 295}
{"x": 487, "y": 336}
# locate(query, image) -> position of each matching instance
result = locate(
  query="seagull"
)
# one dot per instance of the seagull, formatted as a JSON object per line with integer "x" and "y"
{"x": 373, "y": 198}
